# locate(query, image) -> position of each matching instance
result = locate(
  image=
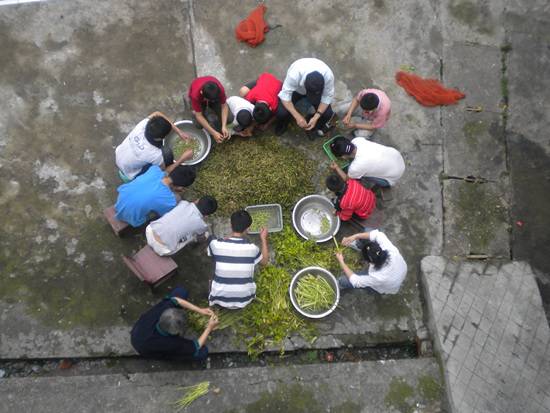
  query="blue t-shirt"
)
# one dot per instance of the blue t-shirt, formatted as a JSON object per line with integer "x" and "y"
{"x": 144, "y": 194}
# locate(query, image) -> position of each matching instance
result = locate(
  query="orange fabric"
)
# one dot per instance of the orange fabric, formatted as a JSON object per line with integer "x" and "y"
{"x": 427, "y": 92}
{"x": 252, "y": 29}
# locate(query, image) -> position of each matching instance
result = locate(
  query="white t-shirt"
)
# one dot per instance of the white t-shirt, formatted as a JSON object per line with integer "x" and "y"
{"x": 236, "y": 104}
{"x": 135, "y": 152}
{"x": 296, "y": 78}
{"x": 377, "y": 161}
{"x": 388, "y": 278}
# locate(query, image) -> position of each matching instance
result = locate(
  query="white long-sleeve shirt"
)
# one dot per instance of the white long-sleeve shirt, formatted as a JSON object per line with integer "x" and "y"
{"x": 296, "y": 77}
{"x": 388, "y": 278}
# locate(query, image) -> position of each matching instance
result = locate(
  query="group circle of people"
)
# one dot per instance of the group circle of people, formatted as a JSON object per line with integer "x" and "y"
{"x": 155, "y": 181}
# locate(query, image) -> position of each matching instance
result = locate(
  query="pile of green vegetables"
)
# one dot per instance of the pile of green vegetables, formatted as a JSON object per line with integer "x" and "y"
{"x": 260, "y": 219}
{"x": 180, "y": 146}
{"x": 191, "y": 393}
{"x": 314, "y": 293}
{"x": 241, "y": 173}
{"x": 270, "y": 318}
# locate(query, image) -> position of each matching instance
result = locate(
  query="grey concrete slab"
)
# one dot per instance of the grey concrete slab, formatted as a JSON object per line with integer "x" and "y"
{"x": 475, "y": 145}
{"x": 76, "y": 78}
{"x": 393, "y": 385}
{"x": 472, "y": 21}
{"x": 490, "y": 329}
{"x": 476, "y": 219}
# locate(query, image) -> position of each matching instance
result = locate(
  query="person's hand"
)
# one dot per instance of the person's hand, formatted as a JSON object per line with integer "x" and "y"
{"x": 218, "y": 137}
{"x": 186, "y": 155}
{"x": 301, "y": 122}
{"x": 206, "y": 311}
{"x": 333, "y": 166}
{"x": 213, "y": 322}
{"x": 347, "y": 119}
{"x": 225, "y": 132}
{"x": 263, "y": 234}
{"x": 184, "y": 136}
{"x": 246, "y": 133}
{"x": 346, "y": 241}
{"x": 339, "y": 257}
{"x": 312, "y": 122}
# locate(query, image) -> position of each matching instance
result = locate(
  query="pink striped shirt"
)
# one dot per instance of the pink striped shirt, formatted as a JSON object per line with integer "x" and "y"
{"x": 380, "y": 116}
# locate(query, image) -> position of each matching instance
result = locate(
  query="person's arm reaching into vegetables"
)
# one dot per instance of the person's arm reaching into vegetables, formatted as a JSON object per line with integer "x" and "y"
{"x": 346, "y": 241}
{"x": 180, "y": 133}
{"x": 265, "y": 247}
{"x": 211, "y": 326}
{"x": 343, "y": 265}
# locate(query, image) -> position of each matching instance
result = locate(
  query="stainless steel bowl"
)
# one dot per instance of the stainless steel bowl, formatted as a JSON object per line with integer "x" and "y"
{"x": 200, "y": 134}
{"x": 311, "y": 214}
{"x": 315, "y": 271}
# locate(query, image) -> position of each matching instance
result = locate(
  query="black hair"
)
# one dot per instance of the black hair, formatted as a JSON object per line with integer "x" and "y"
{"x": 315, "y": 82}
{"x": 240, "y": 221}
{"x": 335, "y": 183}
{"x": 369, "y": 101}
{"x": 207, "y": 205}
{"x": 183, "y": 175}
{"x": 244, "y": 118}
{"x": 373, "y": 254}
{"x": 156, "y": 130}
{"x": 261, "y": 112}
{"x": 341, "y": 146}
{"x": 211, "y": 91}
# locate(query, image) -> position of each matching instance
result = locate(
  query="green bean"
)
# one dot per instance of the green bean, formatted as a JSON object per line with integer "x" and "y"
{"x": 191, "y": 394}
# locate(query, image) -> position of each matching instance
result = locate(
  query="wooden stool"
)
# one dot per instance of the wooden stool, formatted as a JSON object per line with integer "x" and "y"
{"x": 150, "y": 267}
{"x": 116, "y": 225}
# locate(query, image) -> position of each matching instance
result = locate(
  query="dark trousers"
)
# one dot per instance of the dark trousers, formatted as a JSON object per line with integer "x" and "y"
{"x": 302, "y": 103}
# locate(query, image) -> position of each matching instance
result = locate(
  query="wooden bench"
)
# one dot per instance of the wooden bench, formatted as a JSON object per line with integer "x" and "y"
{"x": 117, "y": 226}
{"x": 150, "y": 267}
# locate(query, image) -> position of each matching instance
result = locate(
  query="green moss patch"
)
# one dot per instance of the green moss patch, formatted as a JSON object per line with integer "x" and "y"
{"x": 400, "y": 395}
{"x": 429, "y": 388}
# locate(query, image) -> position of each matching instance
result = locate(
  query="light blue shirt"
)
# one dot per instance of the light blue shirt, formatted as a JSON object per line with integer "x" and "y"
{"x": 143, "y": 195}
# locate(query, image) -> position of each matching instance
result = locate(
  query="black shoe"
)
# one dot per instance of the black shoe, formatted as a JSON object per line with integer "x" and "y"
{"x": 280, "y": 128}
{"x": 311, "y": 134}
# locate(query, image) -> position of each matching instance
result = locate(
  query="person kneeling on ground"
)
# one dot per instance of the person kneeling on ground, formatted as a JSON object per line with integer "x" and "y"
{"x": 182, "y": 225}
{"x": 351, "y": 198}
{"x": 378, "y": 164}
{"x": 142, "y": 146}
{"x": 387, "y": 268}
{"x": 243, "y": 124}
{"x": 153, "y": 191}
{"x": 159, "y": 332}
{"x": 263, "y": 93}
{"x": 233, "y": 285}
{"x": 208, "y": 102}
{"x": 306, "y": 95}
{"x": 376, "y": 109}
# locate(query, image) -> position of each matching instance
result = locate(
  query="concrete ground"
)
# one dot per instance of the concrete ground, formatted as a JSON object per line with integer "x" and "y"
{"x": 76, "y": 78}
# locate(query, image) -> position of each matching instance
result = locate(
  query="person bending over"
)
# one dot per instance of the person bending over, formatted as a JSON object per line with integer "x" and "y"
{"x": 369, "y": 110}
{"x": 181, "y": 226}
{"x": 159, "y": 333}
{"x": 351, "y": 198}
{"x": 263, "y": 93}
{"x": 142, "y": 146}
{"x": 242, "y": 111}
{"x": 152, "y": 192}
{"x": 386, "y": 267}
{"x": 208, "y": 102}
{"x": 377, "y": 164}
{"x": 236, "y": 258}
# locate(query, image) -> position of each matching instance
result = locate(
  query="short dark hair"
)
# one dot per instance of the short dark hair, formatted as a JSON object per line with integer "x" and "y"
{"x": 211, "y": 91}
{"x": 244, "y": 118}
{"x": 156, "y": 130}
{"x": 374, "y": 254}
{"x": 335, "y": 183}
{"x": 261, "y": 112}
{"x": 315, "y": 82}
{"x": 369, "y": 101}
{"x": 207, "y": 205}
{"x": 183, "y": 175}
{"x": 240, "y": 221}
{"x": 341, "y": 146}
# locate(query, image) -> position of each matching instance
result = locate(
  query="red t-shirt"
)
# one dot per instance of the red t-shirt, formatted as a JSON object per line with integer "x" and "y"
{"x": 357, "y": 200}
{"x": 195, "y": 91}
{"x": 266, "y": 90}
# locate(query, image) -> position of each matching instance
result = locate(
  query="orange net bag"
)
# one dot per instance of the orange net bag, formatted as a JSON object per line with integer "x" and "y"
{"x": 252, "y": 29}
{"x": 427, "y": 92}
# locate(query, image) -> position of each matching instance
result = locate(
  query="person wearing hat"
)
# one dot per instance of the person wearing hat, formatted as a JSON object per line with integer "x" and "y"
{"x": 372, "y": 162}
{"x": 386, "y": 267}
{"x": 306, "y": 95}
{"x": 159, "y": 332}
{"x": 374, "y": 112}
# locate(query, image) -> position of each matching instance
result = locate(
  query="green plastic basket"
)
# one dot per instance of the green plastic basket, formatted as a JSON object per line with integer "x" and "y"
{"x": 342, "y": 163}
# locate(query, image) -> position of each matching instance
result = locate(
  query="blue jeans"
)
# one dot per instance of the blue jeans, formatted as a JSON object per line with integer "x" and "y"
{"x": 344, "y": 284}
